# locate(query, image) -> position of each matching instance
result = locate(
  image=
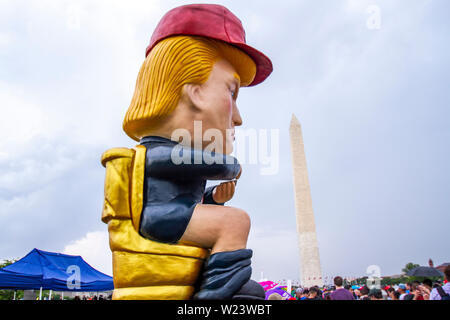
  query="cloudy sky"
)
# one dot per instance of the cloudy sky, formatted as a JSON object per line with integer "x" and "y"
{"x": 368, "y": 80}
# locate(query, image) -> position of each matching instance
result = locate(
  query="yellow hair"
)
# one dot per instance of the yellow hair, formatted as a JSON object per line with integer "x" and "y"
{"x": 171, "y": 64}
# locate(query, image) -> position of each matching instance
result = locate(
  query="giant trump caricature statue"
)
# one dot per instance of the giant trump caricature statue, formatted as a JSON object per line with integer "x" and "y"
{"x": 171, "y": 238}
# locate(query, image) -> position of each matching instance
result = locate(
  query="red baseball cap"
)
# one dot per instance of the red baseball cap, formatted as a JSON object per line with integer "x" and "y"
{"x": 212, "y": 21}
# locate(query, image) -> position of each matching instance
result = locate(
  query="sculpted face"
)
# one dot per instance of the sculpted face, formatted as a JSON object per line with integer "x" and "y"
{"x": 215, "y": 102}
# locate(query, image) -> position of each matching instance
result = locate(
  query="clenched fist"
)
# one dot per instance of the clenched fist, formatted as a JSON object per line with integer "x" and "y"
{"x": 225, "y": 191}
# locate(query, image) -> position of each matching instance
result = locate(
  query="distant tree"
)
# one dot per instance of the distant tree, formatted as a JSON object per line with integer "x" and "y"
{"x": 386, "y": 281}
{"x": 409, "y": 266}
{"x": 7, "y": 263}
{"x": 9, "y": 294}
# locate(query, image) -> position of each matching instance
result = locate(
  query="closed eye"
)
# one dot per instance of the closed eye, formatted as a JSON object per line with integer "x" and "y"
{"x": 234, "y": 92}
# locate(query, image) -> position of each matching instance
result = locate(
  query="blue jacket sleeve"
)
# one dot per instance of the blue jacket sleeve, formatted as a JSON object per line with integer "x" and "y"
{"x": 181, "y": 163}
{"x": 208, "y": 197}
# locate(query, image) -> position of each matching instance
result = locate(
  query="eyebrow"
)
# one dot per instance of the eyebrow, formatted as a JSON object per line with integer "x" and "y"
{"x": 236, "y": 77}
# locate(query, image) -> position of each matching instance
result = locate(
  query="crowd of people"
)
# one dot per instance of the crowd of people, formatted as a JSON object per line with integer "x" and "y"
{"x": 415, "y": 290}
{"x": 100, "y": 297}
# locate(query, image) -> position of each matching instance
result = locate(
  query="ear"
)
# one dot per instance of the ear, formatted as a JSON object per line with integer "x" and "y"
{"x": 193, "y": 95}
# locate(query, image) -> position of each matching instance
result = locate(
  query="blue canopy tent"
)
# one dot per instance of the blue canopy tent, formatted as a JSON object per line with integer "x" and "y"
{"x": 53, "y": 271}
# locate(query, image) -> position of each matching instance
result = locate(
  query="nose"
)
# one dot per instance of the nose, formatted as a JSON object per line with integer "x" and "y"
{"x": 236, "y": 117}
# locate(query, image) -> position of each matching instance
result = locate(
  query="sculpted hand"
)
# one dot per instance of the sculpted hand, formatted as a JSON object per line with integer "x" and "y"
{"x": 225, "y": 191}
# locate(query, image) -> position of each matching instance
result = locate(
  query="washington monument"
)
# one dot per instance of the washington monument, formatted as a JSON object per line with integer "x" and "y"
{"x": 311, "y": 274}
